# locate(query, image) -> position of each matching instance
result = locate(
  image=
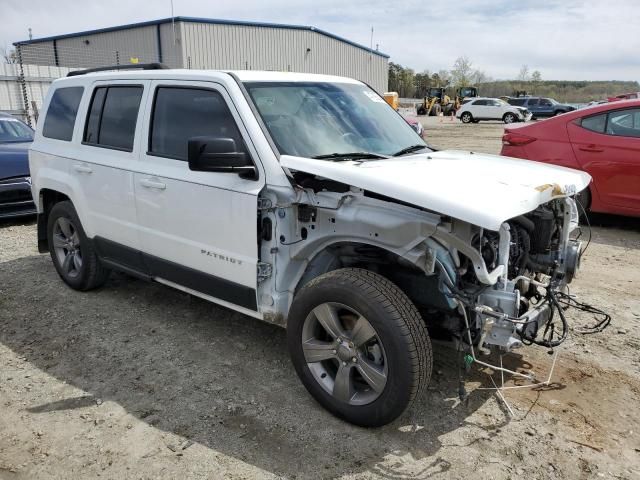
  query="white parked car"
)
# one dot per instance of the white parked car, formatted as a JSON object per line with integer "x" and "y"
{"x": 308, "y": 202}
{"x": 483, "y": 108}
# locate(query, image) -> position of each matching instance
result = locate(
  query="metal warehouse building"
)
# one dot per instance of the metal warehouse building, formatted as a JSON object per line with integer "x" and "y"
{"x": 200, "y": 43}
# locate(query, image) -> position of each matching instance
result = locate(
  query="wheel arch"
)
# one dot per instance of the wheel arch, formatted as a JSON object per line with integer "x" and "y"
{"x": 421, "y": 288}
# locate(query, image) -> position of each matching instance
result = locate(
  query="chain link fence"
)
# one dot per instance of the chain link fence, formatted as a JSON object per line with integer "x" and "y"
{"x": 25, "y": 82}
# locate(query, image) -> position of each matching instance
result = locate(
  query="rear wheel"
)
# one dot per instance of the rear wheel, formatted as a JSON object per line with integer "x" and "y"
{"x": 466, "y": 117}
{"x": 72, "y": 253}
{"x": 421, "y": 111}
{"x": 359, "y": 346}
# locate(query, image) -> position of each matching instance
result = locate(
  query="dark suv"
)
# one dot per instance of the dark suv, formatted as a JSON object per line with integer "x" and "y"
{"x": 540, "y": 106}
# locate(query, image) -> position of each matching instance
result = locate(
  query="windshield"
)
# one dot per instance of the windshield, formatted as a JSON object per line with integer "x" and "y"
{"x": 314, "y": 119}
{"x": 14, "y": 131}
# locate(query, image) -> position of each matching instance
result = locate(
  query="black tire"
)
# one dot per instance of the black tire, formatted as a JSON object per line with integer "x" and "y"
{"x": 398, "y": 325}
{"x": 92, "y": 273}
{"x": 509, "y": 118}
{"x": 466, "y": 117}
{"x": 435, "y": 110}
{"x": 558, "y": 112}
{"x": 421, "y": 111}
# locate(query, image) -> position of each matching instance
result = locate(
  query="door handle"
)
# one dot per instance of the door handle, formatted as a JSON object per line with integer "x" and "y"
{"x": 591, "y": 148}
{"x": 82, "y": 168}
{"x": 149, "y": 183}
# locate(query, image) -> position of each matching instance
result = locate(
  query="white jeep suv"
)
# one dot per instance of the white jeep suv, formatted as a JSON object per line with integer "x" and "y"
{"x": 305, "y": 201}
{"x": 491, "y": 109}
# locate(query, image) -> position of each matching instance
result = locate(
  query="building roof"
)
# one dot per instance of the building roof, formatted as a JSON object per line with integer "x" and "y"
{"x": 214, "y": 21}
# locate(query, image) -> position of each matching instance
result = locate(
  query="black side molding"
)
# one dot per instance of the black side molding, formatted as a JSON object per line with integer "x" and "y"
{"x": 147, "y": 267}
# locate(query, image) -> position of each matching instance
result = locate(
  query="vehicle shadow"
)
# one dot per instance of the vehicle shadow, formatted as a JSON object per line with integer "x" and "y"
{"x": 216, "y": 377}
{"x": 614, "y": 230}
{"x": 17, "y": 221}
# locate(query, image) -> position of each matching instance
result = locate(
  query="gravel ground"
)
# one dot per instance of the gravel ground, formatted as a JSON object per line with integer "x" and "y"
{"x": 136, "y": 380}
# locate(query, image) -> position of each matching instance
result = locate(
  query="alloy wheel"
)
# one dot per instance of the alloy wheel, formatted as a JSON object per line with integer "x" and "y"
{"x": 66, "y": 244}
{"x": 344, "y": 353}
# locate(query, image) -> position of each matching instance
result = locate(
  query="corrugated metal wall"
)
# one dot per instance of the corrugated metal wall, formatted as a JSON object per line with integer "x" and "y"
{"x": 260, "y": 48}
{"x": 209, "y": 45}
{"x": 99, "y": 49}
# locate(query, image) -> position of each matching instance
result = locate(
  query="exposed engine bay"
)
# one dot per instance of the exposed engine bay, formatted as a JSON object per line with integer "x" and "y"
{"x": 543, "y": 257}
{"x": 490, "y": 289}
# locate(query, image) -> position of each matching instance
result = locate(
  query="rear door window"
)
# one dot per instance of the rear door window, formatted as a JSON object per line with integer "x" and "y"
{"x": 112, "y": 117}
{"x": 61, "y": 114}
{"x": 624, "y": 123}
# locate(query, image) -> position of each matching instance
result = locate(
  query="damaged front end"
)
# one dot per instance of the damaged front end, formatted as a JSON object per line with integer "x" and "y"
{"x": 509, "y": 297}
{"x": 484, "y": 256}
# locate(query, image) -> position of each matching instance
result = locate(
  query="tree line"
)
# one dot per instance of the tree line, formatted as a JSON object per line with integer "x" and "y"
{"x": 410, "y": 84}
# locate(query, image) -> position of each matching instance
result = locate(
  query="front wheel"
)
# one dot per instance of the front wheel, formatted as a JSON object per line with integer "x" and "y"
{"x": 466, "y": 117}
{"x": 509, "y": 118}
{"x": 359, "y": 346}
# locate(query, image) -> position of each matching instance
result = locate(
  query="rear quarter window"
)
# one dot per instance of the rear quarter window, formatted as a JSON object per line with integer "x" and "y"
{"x": 595, "y": 123}
{"x": 61, "y": 114}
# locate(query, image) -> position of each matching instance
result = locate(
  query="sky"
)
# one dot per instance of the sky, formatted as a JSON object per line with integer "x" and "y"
{"x": 563, "y": 39}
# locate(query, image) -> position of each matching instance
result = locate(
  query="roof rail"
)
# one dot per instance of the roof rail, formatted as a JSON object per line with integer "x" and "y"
{"x": 133, "y": 66}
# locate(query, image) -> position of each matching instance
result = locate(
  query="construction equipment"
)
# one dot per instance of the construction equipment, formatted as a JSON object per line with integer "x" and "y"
{"x": 435, "y": 102}
{"x": 392, "y": 99}
{"x": 439, "y": 101}
{"x": 463, "y": 93}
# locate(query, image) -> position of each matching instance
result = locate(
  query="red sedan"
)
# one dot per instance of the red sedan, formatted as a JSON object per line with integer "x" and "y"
{"x": 603, "y": 140}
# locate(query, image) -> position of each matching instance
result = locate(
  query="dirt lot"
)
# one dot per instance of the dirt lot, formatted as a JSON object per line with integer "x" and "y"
{"x": 136, "y": 380}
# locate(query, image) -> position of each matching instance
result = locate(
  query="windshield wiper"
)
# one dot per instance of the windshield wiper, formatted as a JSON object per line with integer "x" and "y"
{"x": 410, "y": 149}
{"x": 349, "y": 156}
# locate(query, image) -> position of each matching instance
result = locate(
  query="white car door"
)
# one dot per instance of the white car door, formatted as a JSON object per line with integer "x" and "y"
{"x": 495, "y": 110}
{"x": 479, "y": 109}
{"x": 104, "y": 163}
{"x": 197, "y": 230}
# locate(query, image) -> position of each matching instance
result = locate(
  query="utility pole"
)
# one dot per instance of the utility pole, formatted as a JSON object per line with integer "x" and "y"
{"x": 371, "y": 57}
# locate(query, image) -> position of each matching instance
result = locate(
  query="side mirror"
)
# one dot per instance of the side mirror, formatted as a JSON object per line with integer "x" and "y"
{"x": 213, "y": 154}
